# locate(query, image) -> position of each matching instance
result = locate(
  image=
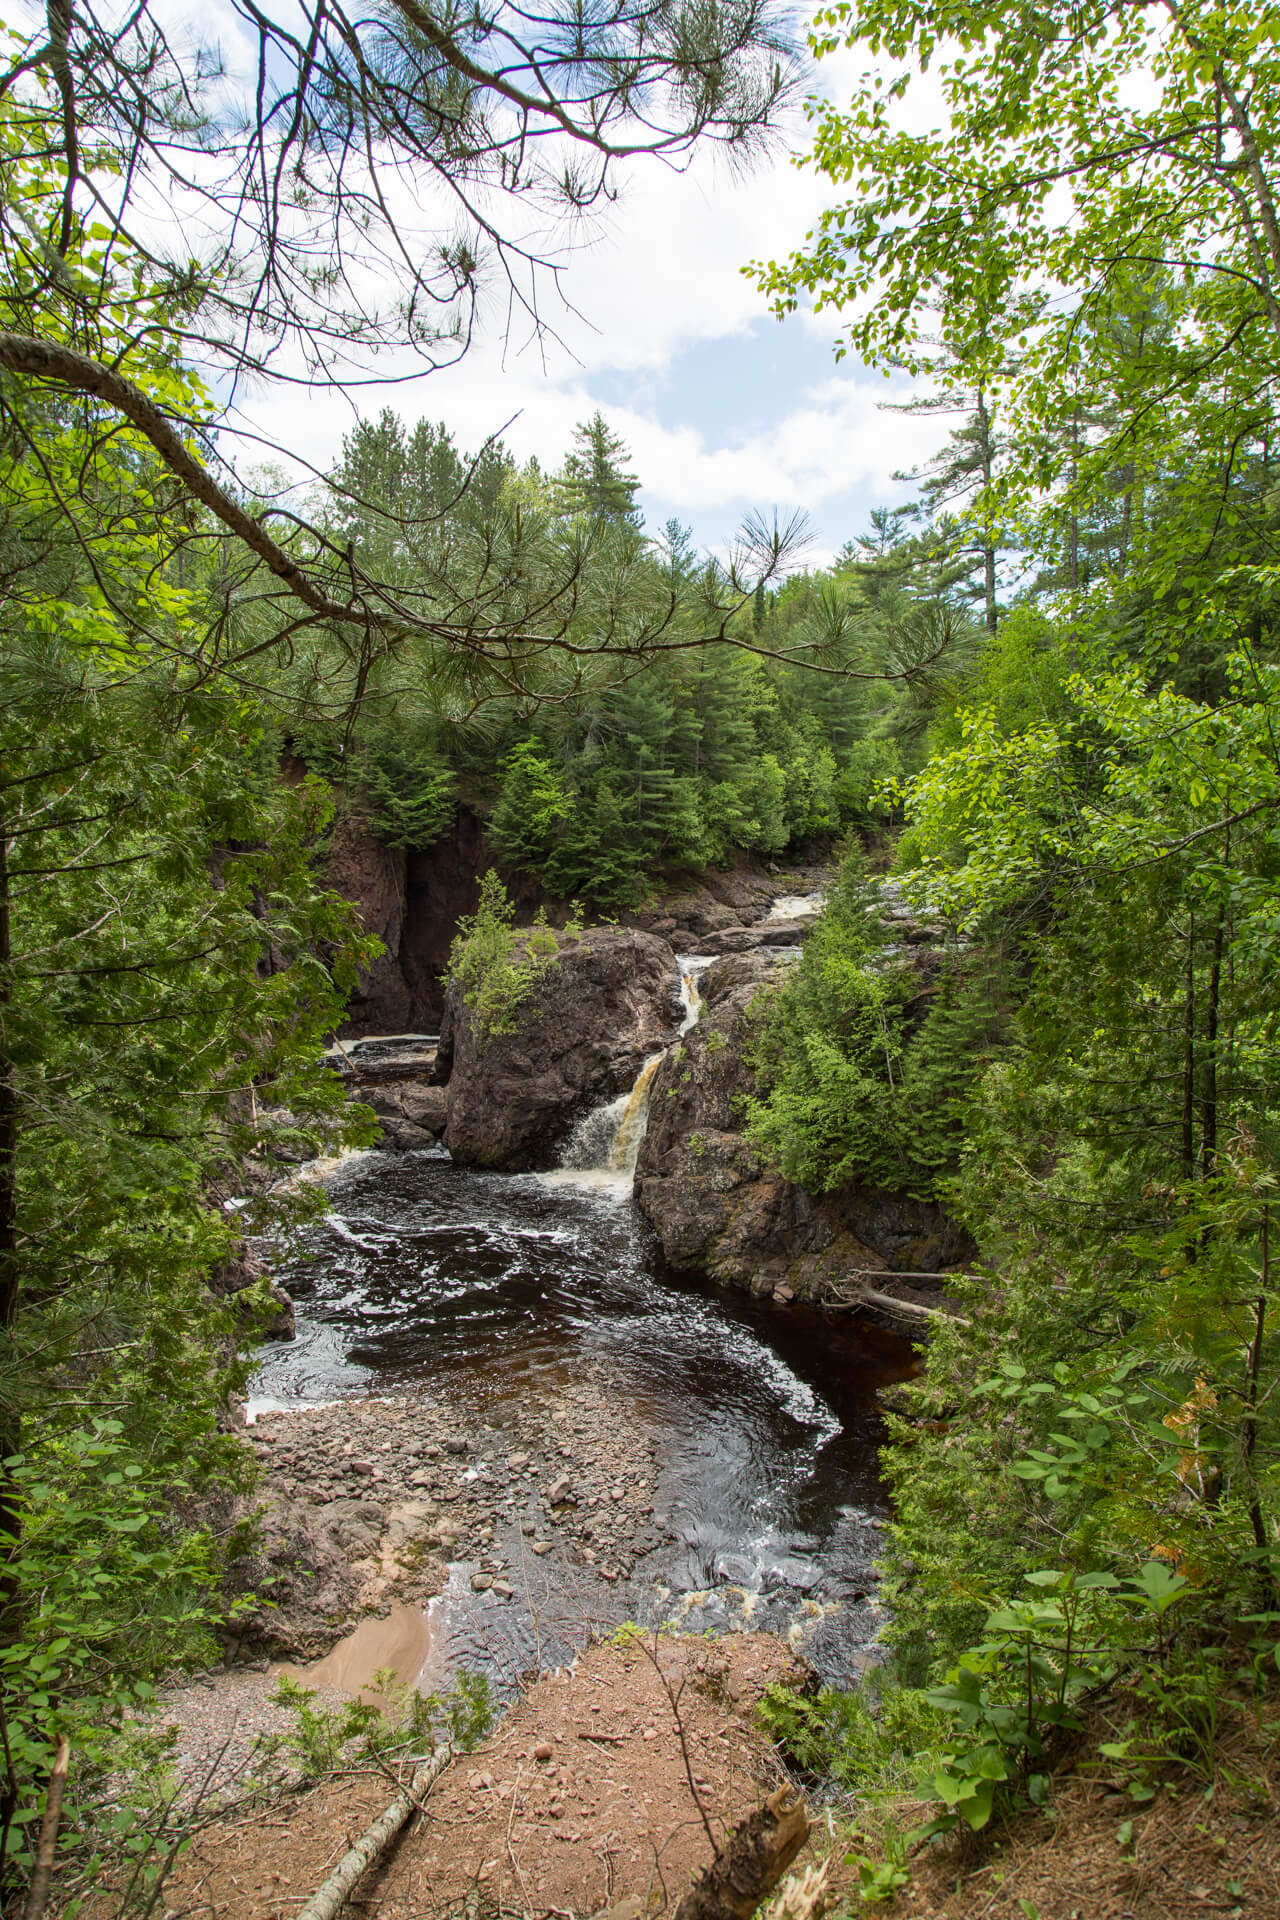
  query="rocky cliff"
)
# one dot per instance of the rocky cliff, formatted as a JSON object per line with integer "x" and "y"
{"x": 595, "y": 1013}
{"x": 412, "y": 900}
{"x": 717, "y": 1208}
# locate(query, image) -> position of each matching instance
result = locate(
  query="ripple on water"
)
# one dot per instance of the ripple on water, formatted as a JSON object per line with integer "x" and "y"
{"x": 765, "y": 1418}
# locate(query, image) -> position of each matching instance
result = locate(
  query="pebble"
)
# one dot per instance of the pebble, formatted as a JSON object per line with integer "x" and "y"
{"x": 379, "y": 1453}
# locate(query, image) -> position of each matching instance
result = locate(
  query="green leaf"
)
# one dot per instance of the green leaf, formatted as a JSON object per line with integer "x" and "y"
{"x": 1160, "y": 1586}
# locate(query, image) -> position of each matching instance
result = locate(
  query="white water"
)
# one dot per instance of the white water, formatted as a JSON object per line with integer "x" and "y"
{"x": 319, "y": 1172}
{"x": 691, "y": 967}
{"x": 602, "y": 1150}
{"x": 490, "y": 1284}
{"x": 796, "y": 906}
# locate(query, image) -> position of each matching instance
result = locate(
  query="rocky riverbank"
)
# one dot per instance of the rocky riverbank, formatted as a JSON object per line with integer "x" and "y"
{"x": 720, "y": 1209}
{"x": 368, "y": 1502}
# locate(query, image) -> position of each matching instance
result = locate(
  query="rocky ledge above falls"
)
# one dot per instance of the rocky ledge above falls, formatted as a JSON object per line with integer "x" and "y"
{"x": 716, "y": 1206}
{"x": 594, "y": 1014}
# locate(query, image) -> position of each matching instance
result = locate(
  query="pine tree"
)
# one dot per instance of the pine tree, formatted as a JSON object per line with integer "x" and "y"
{"x": 956, "y": 492}
{"x": 594, "y": 480}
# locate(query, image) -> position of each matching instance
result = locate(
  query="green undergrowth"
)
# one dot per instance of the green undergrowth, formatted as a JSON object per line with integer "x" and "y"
{"x": 145, "y": 1810}
{"x": 1117, "y": 1660}
{"x": 398, "y": 1722}
{"x": 1202, "y": 1722}
{"x": 497, "y": 967}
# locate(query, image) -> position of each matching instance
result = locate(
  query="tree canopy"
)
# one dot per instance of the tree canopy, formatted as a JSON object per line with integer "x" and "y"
{"x": 346, "y": 196}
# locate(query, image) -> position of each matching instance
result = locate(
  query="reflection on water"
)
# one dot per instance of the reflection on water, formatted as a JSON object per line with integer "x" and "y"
{"x": 486, "y": 1283}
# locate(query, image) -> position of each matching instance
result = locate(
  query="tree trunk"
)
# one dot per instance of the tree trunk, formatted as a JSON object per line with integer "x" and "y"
{"x": 10, "y": 1420}
{"x": 1073, "y": 521}
{"x": 328, "y": 1901}
{"x": 1189, "y": 1055}
{"x": 10, "y": 1427}
{"x": 1253, "y": 1372}
{"x": 1209, "y": 1100}
{"x": 988, "y": 537}
{"x": 757, "y": 1856}
{"x": 42, "y": 1878}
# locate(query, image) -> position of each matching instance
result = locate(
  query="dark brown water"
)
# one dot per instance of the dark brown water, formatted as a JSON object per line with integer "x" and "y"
{"x": 765, "y": 1416}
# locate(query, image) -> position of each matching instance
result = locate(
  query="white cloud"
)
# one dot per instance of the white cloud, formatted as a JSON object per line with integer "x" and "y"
{"x": 662, "y": 275}
{"x": 837, "y": 440}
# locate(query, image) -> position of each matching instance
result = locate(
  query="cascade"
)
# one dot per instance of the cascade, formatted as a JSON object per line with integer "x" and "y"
{"x": 603, "y": 1148}
{"x": 625, "y": 1148}
{"x": 690, "y": 998}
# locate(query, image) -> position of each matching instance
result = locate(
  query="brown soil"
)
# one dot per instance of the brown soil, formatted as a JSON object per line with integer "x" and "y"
{"x": 1209, "y": 1843}
{"x": 606, "y": 1780}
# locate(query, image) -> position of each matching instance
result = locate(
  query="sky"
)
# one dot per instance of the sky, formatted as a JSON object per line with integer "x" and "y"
{"x": 724, "y": 409}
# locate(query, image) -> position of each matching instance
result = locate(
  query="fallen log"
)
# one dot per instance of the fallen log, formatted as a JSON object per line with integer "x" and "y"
{"x": 855, "y": 1289}
{"x": 758, "y": 1854}
{"x": 327, "y": 1902}
{"x": 911, "y": 1309}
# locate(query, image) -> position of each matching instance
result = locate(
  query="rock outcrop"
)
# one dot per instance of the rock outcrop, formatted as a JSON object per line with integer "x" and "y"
{"x": 395, "y": 1074}
{"x": 595, "y": 1013}
{"x": 719, "y": 1209}
{"x": 412, "y": 900}
{"x": 719, "y": 907}
{"x": 372, "y": 877}
{"x": 244, "y": 1279}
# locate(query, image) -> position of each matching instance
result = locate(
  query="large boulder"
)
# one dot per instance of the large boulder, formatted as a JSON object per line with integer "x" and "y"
{"x": 719, "y": 1209}
{"x": 596, "y": 1011}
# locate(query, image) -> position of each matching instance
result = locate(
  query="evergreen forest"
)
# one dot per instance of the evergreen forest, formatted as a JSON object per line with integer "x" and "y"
{"x": 1039, "y": 690}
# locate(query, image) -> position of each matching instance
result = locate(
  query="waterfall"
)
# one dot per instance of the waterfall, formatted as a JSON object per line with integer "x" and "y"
{"x": 625, "y": 1149}
{"x": 603, "y": 1148}
{"x": 797, "y": 906}
{"x": 607, "y": 1140}
{"x": 690, "y": 998}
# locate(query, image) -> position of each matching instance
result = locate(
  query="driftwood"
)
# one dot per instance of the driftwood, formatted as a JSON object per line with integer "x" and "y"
{"x": 327, "y": 1902}
{"x": 757, "y": 1856}
{"x": 856, "y": 1290}
{"x": 911, "y": 1309}
{"x": 38, "y": 1892}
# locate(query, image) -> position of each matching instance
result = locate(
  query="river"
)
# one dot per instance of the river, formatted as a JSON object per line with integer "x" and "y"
{"x": 487, "y": 1284}
{"x": 765, "y": 1417}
